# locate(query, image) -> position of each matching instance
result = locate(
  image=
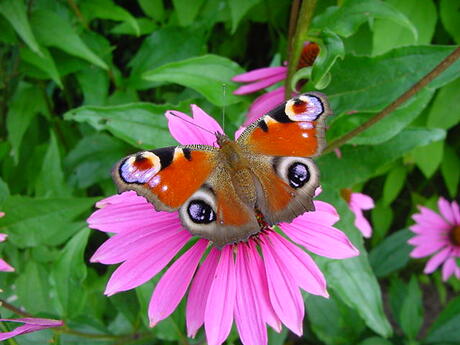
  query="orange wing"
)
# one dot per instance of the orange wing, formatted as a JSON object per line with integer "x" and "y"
{"x": 294, "y": 128}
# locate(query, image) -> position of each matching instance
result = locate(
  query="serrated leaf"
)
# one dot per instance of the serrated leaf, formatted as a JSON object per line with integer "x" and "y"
{"x": 35, "y": 221}
{"x": 449, "y": 11}
{"x": 391, "y": 254}
{"x": 445, "y": 328}
{"x": 394, "y": 182}
{"x": 15, "y": 12}
{"x": 68, "y": 275}
{"x": 444, "y": 112}
{"x": 142, "y": 125}
{"x": 238, "y": 8}
{"x": 45, "y": 23}
{"x": 362, "y": 162}
{"x": 346, "y": 19}
{"x": 205, "y": 74}
{"x": 450, "y": 170}
{"x": 187, "y": 11}
{"x": 429, "y": 157}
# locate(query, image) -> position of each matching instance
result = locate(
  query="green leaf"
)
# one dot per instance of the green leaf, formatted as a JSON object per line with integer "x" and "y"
{"x": 93, "y": 158}
{"x": 106, "y": 9}
{"x": 411, "y": 318}
{"x": 146, "y": 26}
{"x": 205, "y": 74}
{"x": 27, "y": 102}
{"x": 43, "y": 62}
{"x": 375, "y": 341}
{"x": 46, "y": 23}
{"x": 445, "y": 328}
{"x": 392, "y": 254}
{"x": 238, "y": 8}
{"x": 153, "y": 8}
{"x": 362, "y": 162}
{"x": 450, "y": 170}
{"x": 50, "y": 180}
{"x": 332, "y": 321}
{"x": 7, "y": 33}
{"x": 187, "y": 11}
{"x": 33, "y": 288}
{"x": 142, "y": 125}
{"x": 397, "y": 294}
{"x": 346, "y": 20}
{"x": 444, "y": 113}
{"x": 4, "y": 191}
{"x": 394, "y": 182}
{"x": 382, "y": 217}
{"x": 94, "y": 83}
{"x": 449, "y": 11}
{"x": 331, "y": 48}
{"x": 68, "y": 275}
{"x": 15, "y": 12}
{"x": 35, "y": 221}
{"x": 149, "y": 56}
{"x": 429, "y": 157}
{"x": 389, "y": 35}
{"x": 385, "y": 77}
{"x": 385, "y": 129}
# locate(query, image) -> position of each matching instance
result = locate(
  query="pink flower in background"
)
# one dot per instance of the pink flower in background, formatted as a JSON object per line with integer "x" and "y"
{"x": 262, "y": 78}
{"x": 359, "y": 202}
{"x": 29, "y": 325}
{"x": 4, "y": 266}
{"x": 439, "y": 236}
{"x": 254, "y": 283}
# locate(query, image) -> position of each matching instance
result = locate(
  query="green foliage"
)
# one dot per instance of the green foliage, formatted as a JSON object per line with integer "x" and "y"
{"x": 83, "y": 83}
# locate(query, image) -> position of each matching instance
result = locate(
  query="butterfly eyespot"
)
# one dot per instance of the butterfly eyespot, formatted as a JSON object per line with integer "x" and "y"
{"x": 298, "y": 175}
{"x": 201, "y": 212}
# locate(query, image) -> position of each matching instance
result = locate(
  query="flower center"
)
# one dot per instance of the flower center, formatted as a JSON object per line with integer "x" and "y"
{"x": 345, "y": 193}
{"x": 455, "y": 235}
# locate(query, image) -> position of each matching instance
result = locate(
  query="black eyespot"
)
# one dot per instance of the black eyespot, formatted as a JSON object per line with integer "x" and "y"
{"x": 298, "y": 175}
{"x": 200, "y": 212}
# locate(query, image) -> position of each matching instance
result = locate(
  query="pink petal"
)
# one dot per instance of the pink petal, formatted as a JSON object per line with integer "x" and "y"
{"x": 200, "y": 117}
{"x": 239, "y": 131}
{"x": 338, "y": 153}
{"x": 3, "y": 237}
{"x": 5, "y": 267}
{"x": 30, "y": 325}
{"x": 199, "y": 291}
{"x": 218, "y": 316}
{"x": 248, "y": 312}
{"x": 429, "y": 217}
{"x": 456, "y": 212}
{"x": 264, "y": 103}
{"x": 426, "y": 249}
{"x": 361, "y": 222}
{"x": 424, "y": 238}
{"x": 259, "y": 85}
{"x": 142, "y": 267}
{"x": 449, "y": 268}
{"x": 362, "y": 201}
{"x": 260, "y": 73}
{"x": 436, "y": 260}
{"x": 446, "y": 210}
{"x": 2, "y": 214}
{"x": 284, "y": 294}
{"x": 324, "y": 214}
{"x": 320, "y": 239}
{"x": 172, "y": 286}
{"x": 129, "y": 197}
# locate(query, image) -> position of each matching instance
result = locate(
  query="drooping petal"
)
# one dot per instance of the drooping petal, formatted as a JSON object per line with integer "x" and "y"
{"x": 446, "y": 210}
{"x": 201, "y": 118}
{"x": 422, "y": 239}
{"x": 362, "y": 201}
{"x": 5, "y": 267}
{"x": 322, "y": 207}
{"x": 437, "y": 260}
{"x": 260, "y": 73}
{"x": 3, "y": 237}
{"x": 456, "y": 212}
{"x": 426, "y": 249}
{"x": 264, "y": 103}
{"x": 172, "y": 286}
{"x": 361, "y": 223}
{"x": 199, "y": 291}
{"x": 259, "y": 85}
{"x": 142, "y": 267}
{"x": 248, "y": 312}
{"x": 322, "y": 240}
{"x": 218, "y": 316}
{"x": 430, "y": 217}
{"x": 284, "y": 294}
{"x": 30, "y": 325}
{"x": 448, "y": 268}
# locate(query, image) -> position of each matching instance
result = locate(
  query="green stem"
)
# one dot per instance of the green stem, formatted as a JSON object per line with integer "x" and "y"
{"x": 302, "y": 23}
{"x": 442, "y": 66}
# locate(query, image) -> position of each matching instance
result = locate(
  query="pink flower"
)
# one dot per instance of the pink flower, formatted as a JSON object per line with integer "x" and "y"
{"x": 4, "y": 266}
{"x": 357, "y": 202}
{"x": 30, "y": 325}
{"x": 262, "y": 78}
{"x": 439, "y": 235}
{"x": 254, "y": 283}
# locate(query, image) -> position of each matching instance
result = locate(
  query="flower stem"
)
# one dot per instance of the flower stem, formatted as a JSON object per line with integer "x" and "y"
{"x": 298, "y": 29}
{"x": 442, "y": 66}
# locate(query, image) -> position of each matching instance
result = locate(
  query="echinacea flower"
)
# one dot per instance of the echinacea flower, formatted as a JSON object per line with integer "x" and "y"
{"x": 29, "y": 325}
{"x": 439, "y": 235}
{"x": 254, "y": 283}
{"x": 359, "y": 202}
{"x": 262, "y": 78}
{"x": 4, "y": 266}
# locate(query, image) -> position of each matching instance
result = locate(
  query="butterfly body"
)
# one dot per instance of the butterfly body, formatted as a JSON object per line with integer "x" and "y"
{"x": 230, "y": 192}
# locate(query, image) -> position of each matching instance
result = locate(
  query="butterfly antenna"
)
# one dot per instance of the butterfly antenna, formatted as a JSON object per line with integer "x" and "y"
{"x": 192, "y": 123}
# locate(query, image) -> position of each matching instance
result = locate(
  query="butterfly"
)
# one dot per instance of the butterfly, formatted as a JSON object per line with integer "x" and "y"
{"x": 228, "y": 193}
